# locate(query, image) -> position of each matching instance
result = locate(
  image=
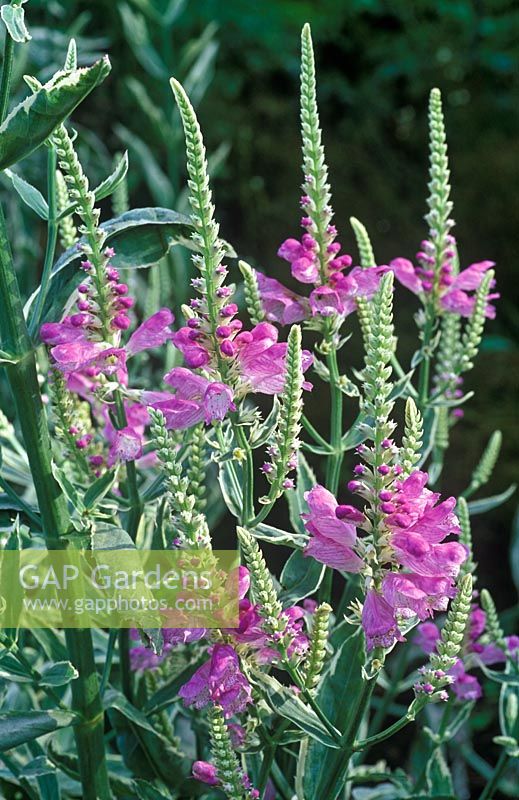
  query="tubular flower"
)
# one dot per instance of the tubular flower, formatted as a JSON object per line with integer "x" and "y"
{"x": 196, "y": 399}
{"x": 219, "y": 680}
{"x": 454, "y": 289}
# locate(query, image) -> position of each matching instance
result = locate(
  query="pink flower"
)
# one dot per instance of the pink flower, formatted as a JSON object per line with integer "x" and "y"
{"x": 302, "y": 258}
{"x": 465, "y": 686}
{"x": 427, "y": 637}
{"x": 75, "y": 350}
{"x": 409, "y": 593}
{"x": 219, "y": 680}
{"x": 127, "y": 445}
{"x": 332, "y": 539}
{"x": 379, "y": 622}
{"x": 262, "y": 359}
{"x": 205, "y": 772}
{"x": 187, "y": 341}
{"x": 452, "y": 288}
{"x": 196, "y": 399}
{"x": 152, "y": 333}
{"x": 279, "y": 303}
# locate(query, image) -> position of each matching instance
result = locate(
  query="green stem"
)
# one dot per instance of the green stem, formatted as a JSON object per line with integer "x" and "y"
{"x": 320, "y": 440}
{"x": 7, "y": 69}
{"x": 269, "y": 756}
{"x": 389, "y": 694}
{"x": 112, "y": 637}
{"x": 52, "y": 238}
{"x": 339, "y": 768}
{"x": 386, "y": 733}
{"x": 493, "y": 783}
{"x": 23, "y": 381}
{"x": 425, "y": 366}
{"x": 131, "y": 473}
{"x": 334, "y": 462}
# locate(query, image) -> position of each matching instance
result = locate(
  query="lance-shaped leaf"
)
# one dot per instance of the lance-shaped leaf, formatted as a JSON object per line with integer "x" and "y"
{"x": 31, "y": 122}
{"x": 18, "y": 727}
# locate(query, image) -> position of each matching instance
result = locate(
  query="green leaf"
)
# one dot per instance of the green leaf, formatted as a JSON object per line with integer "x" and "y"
{"x": 340, "y": 686}
{"x": 285, "y": 702}
{"x": 146, "y": 791}
{"x": 231, "y": 491}
{"x": 296, "y": 501}
{"x": 58, "y": 674}
{"x": 439, "y": 779}
{"x": 52, "y": 643}
{"x": 13, "y": 19}
{"x": 30, "y": 195}
{"x": 114, "y": 699}
{"x": 18, "y": 727}
{"x": 110, "y": 537}
{"x": 507, "y": 678}
{"x": 31, "y": 122}
{"x": 275, "y": 535}
{"x": 99, "y": 488}
{"x": 489, "y": 503}
{"x": 300, "y": 578}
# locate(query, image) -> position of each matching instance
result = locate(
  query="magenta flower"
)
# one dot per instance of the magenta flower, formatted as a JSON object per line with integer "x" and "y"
{"x": 74, "y": 349}
{"x": 126, "y": 444}
{"x": 187, "y": 340}
{"x": 195, "y": 400}
{"x": 379, "y": 622}
{"x": 409, "y": 593}
{"x": 261, "y": 359}
{"x": 279, "y": 303}
{"x": 302, "y": 258}
{"x": 453, "y": 289}
{"x": 205, "y": 772}
{"x": 219, "y": 680}
{"x": 333, "y": 532}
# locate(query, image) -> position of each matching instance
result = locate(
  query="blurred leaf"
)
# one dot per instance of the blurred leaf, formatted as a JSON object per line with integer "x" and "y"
{"x": 439, "y": 780}
{"x": 514, "y": 551}
{"x": 30, "y": 123}
{"x": 58, "y": 674}
{"x": 139, "y": 40}
{"x": 18, "y": 727}
{"x": 30, "y": 195}
{"x": 99, "y": 488}
{"x": 489, "y": 503}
